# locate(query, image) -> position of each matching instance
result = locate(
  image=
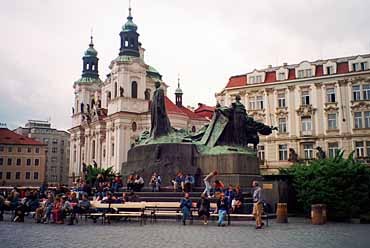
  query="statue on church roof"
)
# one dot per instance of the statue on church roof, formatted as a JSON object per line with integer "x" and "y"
{"x": 160, "y": 124}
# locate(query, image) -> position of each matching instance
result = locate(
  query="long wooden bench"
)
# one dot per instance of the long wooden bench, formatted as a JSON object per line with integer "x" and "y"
{"x": 142, "y": 210}
{"x": 128, "y": 210}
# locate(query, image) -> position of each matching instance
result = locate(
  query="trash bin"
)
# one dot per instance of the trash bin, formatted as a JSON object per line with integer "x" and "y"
{"x": 318, "y": 214}
{"x": 282, "y": 213}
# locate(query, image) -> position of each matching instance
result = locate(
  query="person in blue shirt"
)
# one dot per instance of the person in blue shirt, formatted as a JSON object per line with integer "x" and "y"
{"x": 222, "y": 209}
{"x": 185, "y": 205}
{"x": 230, "y": 194}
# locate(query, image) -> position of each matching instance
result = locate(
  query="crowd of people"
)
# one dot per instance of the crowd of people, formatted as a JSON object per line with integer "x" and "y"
{"x": 63, "y": 204}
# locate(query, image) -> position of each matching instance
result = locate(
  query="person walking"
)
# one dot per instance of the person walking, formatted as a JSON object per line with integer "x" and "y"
{"x": 257, "y": 204}
{"x": 207, "y": 182}
{"x": 204, "y": 206}
{"x": 185, "y": 206}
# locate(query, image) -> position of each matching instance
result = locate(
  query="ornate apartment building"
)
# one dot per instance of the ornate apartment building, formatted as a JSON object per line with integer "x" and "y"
{"x": 325, "y": 103}
{"x": 109, "y": 115}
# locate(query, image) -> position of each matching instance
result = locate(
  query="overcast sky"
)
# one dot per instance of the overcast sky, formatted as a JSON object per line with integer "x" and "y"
{"x": 42, "y": 42}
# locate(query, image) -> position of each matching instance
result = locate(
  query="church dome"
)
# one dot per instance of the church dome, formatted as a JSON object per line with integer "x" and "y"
{"x": 91, "y": 52}
{"x": 129, "y": 25}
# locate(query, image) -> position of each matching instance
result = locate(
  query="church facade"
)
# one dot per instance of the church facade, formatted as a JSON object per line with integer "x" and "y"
{"x": 109, "y": 115}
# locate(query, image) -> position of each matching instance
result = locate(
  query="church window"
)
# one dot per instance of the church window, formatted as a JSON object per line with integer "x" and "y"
{"x": 93, "y": 149}
{"x": 134, "y": 89}
{"x": 126, "y": 43}
{"x": 115, "y": 89}
{"x": 132, "y": 42}
{"x": 93, "y": 67}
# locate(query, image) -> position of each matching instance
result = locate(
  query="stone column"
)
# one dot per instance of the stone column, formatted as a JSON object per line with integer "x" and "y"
{"x": 318, "y": 103}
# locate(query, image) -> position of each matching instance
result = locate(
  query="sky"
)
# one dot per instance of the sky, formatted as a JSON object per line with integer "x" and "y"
{"x": 205, "y": 42}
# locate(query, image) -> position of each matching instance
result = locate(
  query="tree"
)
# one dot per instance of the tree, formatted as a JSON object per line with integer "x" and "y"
{"x": 93, "y": 172}
{"x": 342, "y": 184}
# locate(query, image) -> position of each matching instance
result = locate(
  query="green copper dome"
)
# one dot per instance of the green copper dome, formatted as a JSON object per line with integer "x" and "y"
{"x": 129, "y": 25}
{"x": 91, "y": 52}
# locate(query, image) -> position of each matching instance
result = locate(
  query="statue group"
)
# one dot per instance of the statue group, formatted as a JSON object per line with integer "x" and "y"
{"x": 229, "y": 126}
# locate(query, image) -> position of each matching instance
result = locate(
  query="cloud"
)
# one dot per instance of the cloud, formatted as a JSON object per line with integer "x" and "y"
{"x": 205, "y": 41}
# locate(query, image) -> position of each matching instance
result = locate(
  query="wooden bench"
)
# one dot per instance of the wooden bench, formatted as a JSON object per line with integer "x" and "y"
{"x": 129, "y": 209}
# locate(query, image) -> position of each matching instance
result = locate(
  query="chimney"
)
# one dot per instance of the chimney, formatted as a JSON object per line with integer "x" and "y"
{"x": 269, "y": 66}
{"x": 285, "y": 64}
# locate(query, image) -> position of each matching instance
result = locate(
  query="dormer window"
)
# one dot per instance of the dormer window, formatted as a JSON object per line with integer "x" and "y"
{"x": 258, "y": 79}
{"x": 364, "y": 66}
{"x": 329, "y": 70}
{"x": 252, "y": 80}
{"x": 308, "y": 73}
{"x": 355, "y": 67}
{"x": 281, "y": 76}
{"x": 300, "y": 73}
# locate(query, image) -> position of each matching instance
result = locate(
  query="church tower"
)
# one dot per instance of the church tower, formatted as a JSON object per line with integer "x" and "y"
{"x": 90, "y": 62}
{"x": 129, "y": 38}
{"x": 178, "y": 94}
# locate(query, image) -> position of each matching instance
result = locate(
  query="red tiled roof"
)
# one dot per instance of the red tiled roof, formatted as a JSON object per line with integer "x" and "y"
{"x": 8, "y": 137}
{"x": 319, "y": 71}
{"x": 270, "y": 76}
{"x": 174, "y": 109}
{"x": 237, "y": 81}
{"x": 342, "y": 68}
{"x": 171, "y": 107}
{"x": 204, "y": 110}
{"x": 203, "y": 107}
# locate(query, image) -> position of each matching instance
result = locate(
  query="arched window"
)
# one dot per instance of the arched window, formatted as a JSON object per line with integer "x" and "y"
{"x": 115, "y": 89}
{"x": 134, "y": 89}
{"x": 147, "y": 94}
{"x": 126, "y": 43}
{"x": 193, "y": 129}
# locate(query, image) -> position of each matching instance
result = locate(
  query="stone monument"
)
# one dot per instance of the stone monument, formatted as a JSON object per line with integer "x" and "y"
{"x": 222, "y": 145}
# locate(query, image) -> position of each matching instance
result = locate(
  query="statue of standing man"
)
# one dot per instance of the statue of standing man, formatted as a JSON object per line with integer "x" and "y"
{"x": 160, "y": 124}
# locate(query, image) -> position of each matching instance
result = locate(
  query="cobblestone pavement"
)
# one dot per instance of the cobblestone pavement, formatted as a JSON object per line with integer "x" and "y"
{"x": 167, "y": 233}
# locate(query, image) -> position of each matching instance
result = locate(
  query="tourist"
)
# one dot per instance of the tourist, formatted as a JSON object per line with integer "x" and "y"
{"x": 138, "y": 183}
{"x": 257, "y": 204}
{"x": 222, "y": 209}
{"x": 153, "y": 182}
{"x": 66, "y": 209}
{"x": 237, "y": 203}
{"x": 130, "y": 182}
{"x": 189, "y": 182}
{"x": 185, "y": 205}
{"x": 44, "y": 211}
{"x": 177, "y": 181}
{"x": 204, "y": 206}
{"x": 2, "y": 201}
{"x": 57, "y": 211}
{"x": 207, "y": 182}
{"x": 159, "y": 182}
{"x": 218, "y": 188}
{"x": 117, "y": 183}
{"x": 84, "y": 205}
{"x": 230, "y": 195}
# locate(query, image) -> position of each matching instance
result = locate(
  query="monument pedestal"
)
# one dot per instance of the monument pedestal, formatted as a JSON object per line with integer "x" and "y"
{"x": 236, "y": 168}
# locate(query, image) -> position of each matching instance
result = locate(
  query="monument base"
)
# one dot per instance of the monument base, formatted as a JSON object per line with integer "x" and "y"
{"x": 236, "y": 167}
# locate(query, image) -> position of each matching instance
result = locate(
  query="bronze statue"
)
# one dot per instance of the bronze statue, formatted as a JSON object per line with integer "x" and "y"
{"x": 293, "y": 156}
{"x": 232, "y": 126}
{"x": 160, "y": 124}
{"x": 320, "y": 153}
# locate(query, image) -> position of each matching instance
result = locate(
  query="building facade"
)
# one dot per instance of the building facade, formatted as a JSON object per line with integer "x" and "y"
{"x": 325, "y": 103}
{"x": 57, "y": 149}
{"x": 22, "y": 160}
{"x": 109, "y": 115}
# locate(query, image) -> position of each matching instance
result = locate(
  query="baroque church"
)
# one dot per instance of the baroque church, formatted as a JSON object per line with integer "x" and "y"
{"x": 108, "y": 116}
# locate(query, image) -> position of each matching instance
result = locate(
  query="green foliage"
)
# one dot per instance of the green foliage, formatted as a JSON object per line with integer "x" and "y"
{"x": 342, "y": 184}
{"x": 92, "y": 173}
